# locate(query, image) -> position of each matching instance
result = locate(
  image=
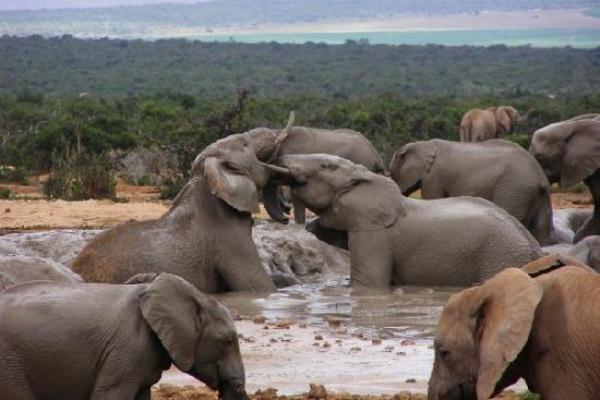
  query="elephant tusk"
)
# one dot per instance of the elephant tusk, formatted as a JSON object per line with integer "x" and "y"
{"x": 277, "y": 169}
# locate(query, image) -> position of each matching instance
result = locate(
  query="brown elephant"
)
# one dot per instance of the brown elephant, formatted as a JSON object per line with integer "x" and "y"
{"x": 585, "y": 116}
{"x": 541, "y": 327}
{"x": 478, "y": 125}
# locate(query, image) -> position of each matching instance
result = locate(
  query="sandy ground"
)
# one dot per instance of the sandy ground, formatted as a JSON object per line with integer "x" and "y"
{"x": 29, "y": 211}
{"x": 570, "y": 18}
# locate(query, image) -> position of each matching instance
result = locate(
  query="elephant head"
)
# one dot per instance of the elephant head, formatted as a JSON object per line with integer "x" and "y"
{"x": 233, "y": 171}
{"x": 340, "y": 192}
{"x": 506, "y": 117}
{"x": 197, "y": 332}
{"x": 480, "y": 332}
{"x": 411, "y": 163}
{"x": 568, "y": 151}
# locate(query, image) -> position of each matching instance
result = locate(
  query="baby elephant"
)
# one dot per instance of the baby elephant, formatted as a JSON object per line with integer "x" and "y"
{"x": 97, "y": 341}
{"x": 542, "y": 327}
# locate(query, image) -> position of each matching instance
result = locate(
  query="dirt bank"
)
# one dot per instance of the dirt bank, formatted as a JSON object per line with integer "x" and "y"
{"x": 29, "y": 211}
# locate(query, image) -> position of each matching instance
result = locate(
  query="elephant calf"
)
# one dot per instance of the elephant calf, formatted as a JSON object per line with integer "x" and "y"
{"x": 396, "y": 240}
{"x": 496, "y": 170}
{"x": 542, "y": 329}
{"x": 96, "y": 341}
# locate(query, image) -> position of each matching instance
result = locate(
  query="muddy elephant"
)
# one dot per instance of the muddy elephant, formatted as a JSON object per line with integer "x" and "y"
{"x": 569, "y": 152}
{"x": 206, "y": 236}
{"x": 18, "y": 268}
{"x": 99, "y": 341}
{"x": 478, "y": 125}
{"x": 521, "y": 326}
{"x": 395, "y": 240}
{"x": 496, "y": 170}
{"x": 345, "y": 143}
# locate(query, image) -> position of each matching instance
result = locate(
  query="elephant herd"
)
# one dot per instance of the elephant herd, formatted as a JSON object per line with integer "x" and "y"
{"x": 485, "y": 212}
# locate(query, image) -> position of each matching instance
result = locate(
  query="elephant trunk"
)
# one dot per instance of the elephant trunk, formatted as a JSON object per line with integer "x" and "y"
{"x": 273, "y": 203}
{"x": 232, "y": 390}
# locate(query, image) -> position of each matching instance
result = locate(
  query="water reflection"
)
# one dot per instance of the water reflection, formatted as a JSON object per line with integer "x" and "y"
{"x": 401, "y": 312}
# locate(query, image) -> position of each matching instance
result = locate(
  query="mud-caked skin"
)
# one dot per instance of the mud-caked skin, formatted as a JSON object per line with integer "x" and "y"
{"x": 344, "y": 143}
{"x": 569, "y": 152}
{"x": 478, "y": 125}
{"x": 496, "y": 170}
{"x": 395, "y": 240}
{"x": 205, "y": 237}
{"x": 541, "y": 327}
{"x": 76, "y": 341}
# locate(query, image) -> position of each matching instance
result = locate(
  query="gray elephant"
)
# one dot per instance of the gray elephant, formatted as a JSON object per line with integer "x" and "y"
{"x": 18, "y": 268}
{"x": 543, "y": 328}
{"x": 569, "y": 152}
{"x": 478, "y": 125}
{"x": 206, "y": 236}
{"x": 97, "y": 341}
{"x": 497, "y": 170}
{"x": 396, "y": 240}
{"x": 586, "y": 251}
{"x": 345, "y": 143}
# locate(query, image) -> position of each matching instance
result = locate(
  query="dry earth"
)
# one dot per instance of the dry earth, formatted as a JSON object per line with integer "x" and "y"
{"x": 30, "y": 211}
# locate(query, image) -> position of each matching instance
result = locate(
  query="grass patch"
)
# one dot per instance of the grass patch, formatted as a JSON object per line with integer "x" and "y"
{"x": 81, "y": 176}
{"x": 5, "y": 193}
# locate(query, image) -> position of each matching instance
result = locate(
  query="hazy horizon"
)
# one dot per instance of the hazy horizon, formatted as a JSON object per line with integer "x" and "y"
{"x": 13, "y": 5}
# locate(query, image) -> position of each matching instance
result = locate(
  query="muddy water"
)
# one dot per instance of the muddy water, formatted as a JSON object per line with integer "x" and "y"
{"x": 356, "y": 341}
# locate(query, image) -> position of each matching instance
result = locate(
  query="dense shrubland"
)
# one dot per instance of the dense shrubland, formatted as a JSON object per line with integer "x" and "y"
{"x": 90, "y": 97}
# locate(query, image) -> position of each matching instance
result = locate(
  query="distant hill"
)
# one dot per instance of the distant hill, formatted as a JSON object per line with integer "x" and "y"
{"x": 69, "y": 66}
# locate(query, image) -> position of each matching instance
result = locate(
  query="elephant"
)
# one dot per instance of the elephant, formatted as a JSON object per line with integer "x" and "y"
{"x": 18, "y": 268}
{"x": 496, "y": 170}
{"x": 345, "y": 143}
{"x": 542, "y": 327}
{"x": 586, "y": 116}
{"x": 396, "y": 240}
{"x": 205, "y": 237}
{"x": 569, "y": 152}
{"x": 478, "y": 125}
{"x": 74, "y": 341}
{"x": 587, "y": 251}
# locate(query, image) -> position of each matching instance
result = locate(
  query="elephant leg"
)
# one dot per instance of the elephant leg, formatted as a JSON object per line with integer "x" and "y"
{"x": 592, "y": 225}
{"x": 118, "y": 392}
{"x": 371, "y": 261}
{"x": 143, "y": 394}
{"x": 540, "y": 224}
{"x": 241, "y": 268}
{"x": 299, "y": 212}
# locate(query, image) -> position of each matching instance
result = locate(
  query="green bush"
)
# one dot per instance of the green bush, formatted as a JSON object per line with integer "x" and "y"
{"x": 80, "y": 177}
{"x": 5, "y": 193}
{"x": 13, "y": 175}
{"x": 171, "y": 188}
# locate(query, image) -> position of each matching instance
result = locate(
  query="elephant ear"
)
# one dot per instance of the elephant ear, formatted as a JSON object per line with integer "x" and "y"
{"x": 582, "y": 154}
{"x": 237, "y": 190}
{"x": 411, "y": 163}
{"x": 367, "y": 212}
{"x": 169, "y": 305}
{"x": 503, "y": 319}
